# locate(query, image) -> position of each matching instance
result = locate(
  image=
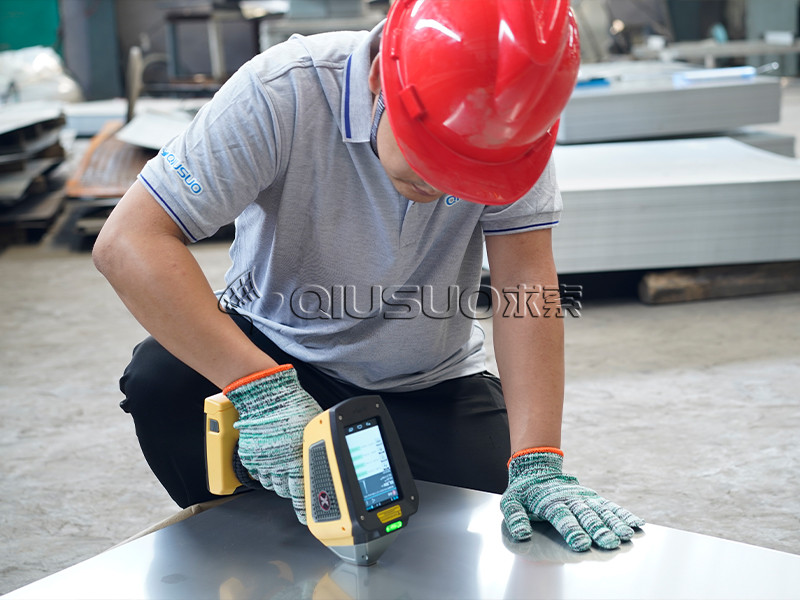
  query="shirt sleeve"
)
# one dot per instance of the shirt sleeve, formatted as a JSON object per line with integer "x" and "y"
{"x": 205, "y": 177}
{"x": 540, "y": 208}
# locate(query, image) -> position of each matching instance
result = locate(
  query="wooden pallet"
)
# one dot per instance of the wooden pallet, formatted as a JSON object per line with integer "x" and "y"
{"x": 705, "y": 283}
{"x": 109, "y": 166}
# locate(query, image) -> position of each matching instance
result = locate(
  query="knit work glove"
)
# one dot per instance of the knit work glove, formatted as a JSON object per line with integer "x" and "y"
{"x": 273, "y": 411}
{"x": 538, "y": 490}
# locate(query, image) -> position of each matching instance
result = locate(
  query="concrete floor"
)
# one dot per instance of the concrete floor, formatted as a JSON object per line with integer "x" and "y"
{"x": 687, "y": 414}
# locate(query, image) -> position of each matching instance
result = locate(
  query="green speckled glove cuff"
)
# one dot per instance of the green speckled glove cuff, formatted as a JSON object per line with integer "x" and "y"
{"x": 273, "y": 412}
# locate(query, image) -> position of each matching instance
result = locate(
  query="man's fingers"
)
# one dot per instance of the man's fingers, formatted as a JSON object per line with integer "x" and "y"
{"x": 299, "y": 505}
{"x": 280, "y": 481}
{"x": 298, "y": 493}
{"x": 593, "y": 525}
{"x": 296, "y": 488}
{"x": 265, "y": 480}
{"x": 568, "y": 526}
{"x": 605, "y": 510}
{"x": 516, "y": 517}
{"x": 626, "y": 516}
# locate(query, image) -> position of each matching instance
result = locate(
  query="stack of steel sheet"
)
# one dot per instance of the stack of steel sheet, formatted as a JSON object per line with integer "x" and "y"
{"x": 630, "y": 101}
{"x": 674, "y": 203}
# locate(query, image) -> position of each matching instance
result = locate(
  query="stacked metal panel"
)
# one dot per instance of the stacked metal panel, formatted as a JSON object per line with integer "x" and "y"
{"x": 29, "y": 148}
{"x": 629, "y": 101}
{"x": 674, "y": 203}
{"x": 320, "y": 9}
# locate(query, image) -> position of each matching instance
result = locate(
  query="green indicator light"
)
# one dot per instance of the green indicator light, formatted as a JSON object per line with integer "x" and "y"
{"x": 393, "y": 526}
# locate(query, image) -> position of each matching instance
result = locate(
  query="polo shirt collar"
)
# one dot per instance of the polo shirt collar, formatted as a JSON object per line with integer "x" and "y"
{"x": 356, "y": 96}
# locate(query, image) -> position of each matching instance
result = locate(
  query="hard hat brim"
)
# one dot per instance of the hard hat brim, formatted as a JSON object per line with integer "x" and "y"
{"x": 466, "y": 178}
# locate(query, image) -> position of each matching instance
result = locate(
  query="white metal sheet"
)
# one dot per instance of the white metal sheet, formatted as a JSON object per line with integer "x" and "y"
{"x": 454, "y": 547}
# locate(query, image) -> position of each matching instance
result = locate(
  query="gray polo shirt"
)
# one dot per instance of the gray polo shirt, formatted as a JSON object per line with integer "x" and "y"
{"x": 329, "y": 260}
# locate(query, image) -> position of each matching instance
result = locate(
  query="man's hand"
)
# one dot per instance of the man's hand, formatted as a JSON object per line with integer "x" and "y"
{"x": 538, "y": 490}
{"x": 273, "y": 411}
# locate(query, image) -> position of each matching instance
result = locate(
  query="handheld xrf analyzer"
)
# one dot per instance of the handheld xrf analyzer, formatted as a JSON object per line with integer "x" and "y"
{"x": 359, "y": 492}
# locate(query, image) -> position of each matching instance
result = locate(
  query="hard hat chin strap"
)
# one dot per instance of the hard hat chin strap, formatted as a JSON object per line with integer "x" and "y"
{"x": 376, "y": 119}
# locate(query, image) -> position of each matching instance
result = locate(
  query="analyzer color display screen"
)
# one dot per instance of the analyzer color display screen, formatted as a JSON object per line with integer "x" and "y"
{"x": 371, "y": 463}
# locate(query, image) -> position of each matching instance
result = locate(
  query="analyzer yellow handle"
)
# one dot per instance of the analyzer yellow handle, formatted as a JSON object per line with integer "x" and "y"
{"x": 221, "y": 439}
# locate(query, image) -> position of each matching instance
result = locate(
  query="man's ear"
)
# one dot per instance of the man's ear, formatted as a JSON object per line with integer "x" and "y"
{"x": 375, "y": 74}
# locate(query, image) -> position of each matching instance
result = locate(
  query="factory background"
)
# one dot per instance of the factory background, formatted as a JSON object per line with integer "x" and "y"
{"x": 681, "y": 293}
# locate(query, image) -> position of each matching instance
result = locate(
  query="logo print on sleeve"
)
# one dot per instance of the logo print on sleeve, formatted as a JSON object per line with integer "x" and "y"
{"x": 182, "y": 172}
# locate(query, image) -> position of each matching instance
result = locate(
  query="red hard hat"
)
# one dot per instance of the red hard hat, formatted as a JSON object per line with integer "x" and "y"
{"x": 474, "y": 90}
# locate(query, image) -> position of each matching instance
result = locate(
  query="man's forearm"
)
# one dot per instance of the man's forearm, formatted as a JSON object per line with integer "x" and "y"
{"x": 530, "y": 358}
{"x": 162, "y": 285}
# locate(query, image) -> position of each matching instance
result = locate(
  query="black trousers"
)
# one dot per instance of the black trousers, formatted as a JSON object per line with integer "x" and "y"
{"x": 455, "y": 432}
